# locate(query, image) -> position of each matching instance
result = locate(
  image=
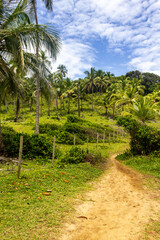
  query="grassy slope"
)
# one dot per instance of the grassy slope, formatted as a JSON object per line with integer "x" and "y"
{"x": 24, "y": 210}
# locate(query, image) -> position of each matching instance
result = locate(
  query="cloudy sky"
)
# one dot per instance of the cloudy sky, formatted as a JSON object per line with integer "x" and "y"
{"x": 114, "y": 35}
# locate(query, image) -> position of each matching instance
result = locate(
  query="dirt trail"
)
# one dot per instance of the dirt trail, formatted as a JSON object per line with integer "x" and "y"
{"x": 118, "y": 209}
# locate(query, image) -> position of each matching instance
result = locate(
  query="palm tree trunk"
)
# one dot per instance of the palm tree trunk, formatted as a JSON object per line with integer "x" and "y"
{"x": 68, "y": 104}
{"x": 37, "y": 78}
{"x": 1, "y": 142}
{"x": 48, "y": 109}
{"x": 17, "y": 110}
{"x": 57, "y": 108}
{"x": 81, "y": 106}
{"x": 31, "y": 102}
{"x": 41, "y": 105}
{"x": 60, "y": 105}
{"x": 79, "y": 111}
{"x": 113, "y": 109}
{"x": 92, "y": 97}
{"x": 6, "y": 105}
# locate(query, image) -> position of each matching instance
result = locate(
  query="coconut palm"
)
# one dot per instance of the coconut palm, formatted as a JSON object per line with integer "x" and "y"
{"x": 53, "y": 47}
{"x": 144, "y": 108}
{"x": 90, "y": 81}
{"x": 101, "y": 81}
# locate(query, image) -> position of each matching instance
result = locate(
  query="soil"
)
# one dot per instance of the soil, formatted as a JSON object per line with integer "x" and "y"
{"x": 118, "y": 209}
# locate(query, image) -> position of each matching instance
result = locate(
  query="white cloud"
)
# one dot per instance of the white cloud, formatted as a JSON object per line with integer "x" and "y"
{"x": 76, "y": 56}
{"x": 130, "y": 24}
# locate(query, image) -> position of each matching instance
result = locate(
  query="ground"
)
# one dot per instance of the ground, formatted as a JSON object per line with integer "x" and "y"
{"x": 119, "y": 208}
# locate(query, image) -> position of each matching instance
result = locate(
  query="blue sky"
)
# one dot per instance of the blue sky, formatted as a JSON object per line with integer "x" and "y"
{"x": 117, "y": 36}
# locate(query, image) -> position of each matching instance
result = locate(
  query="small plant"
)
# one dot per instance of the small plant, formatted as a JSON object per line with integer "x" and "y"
{"x": 74, "y": 156}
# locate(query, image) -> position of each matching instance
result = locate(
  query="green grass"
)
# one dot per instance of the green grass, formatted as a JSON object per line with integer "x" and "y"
{"x": 25, "y": 211}
{"x": 145, "y": 164}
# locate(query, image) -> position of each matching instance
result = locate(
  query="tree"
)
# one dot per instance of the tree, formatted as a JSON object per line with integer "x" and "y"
{"x": 144, "y": 108}
{"x": 101, "y": 80}
{"x": 90, "y": 81}
{"x": 52, "y": 46}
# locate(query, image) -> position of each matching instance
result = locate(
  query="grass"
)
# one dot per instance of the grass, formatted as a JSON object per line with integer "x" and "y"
{"x": 25, "y": 212}
{"x": 24, "y": 208}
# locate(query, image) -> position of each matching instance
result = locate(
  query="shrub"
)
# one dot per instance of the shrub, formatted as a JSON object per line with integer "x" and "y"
{"x": 74, "y": 156}
{"x": 144, "y": 139}
{"x": 73, "y": 119}
{"x": 94, "y": 158}
{"x": 33, "y": 145}
{"x": 74, "y": 128}
{"x": 66, "y": 137}
{"x": 48, "y": 128}
{"x": 126, "y": 122}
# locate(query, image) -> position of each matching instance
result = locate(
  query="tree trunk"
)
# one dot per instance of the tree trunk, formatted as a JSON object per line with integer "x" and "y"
{"x": 1, "y": 142}
{"x": 79, "y": 111}
{"x": 92, "y": 97}
{"x": 48, "y": 110}
{"x": 17, "y": 109}
{"x": 37, "y": 78}
{"x": 57, "y": 106}
{"x": 31, "y": 102}
{"x": 6, "y": 105}
{"x": 113, "y": 109}
{"x": 68, "y": 104}
{"x": 60, "y": 105}
{"x": 106, "y": 110}
{"x": 81, "y": 106}
{"x": 41, "y": 105}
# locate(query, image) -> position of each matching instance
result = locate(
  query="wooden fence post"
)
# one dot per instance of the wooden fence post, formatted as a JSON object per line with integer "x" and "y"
{"x": 109, "y": 138}
{"x": 87, "y": 144}
{"x": 20, "y": 156}
{"x": 74, "y": 140}
{"x": 103, "y": 138}
{"x": 54, "y": 147}
{"x": 97, "y": 140}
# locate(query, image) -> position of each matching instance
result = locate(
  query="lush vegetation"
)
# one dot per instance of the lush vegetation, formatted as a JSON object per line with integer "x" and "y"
{"x": 97, "y": 114}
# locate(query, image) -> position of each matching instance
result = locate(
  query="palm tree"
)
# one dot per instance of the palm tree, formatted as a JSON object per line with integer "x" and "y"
{"x": 144, "y": 108}
{"x": 101, "y": 80}
{"x": 90, "y": 81}
{"x": 54, "y": 49}
{"x": 62, "y": 69}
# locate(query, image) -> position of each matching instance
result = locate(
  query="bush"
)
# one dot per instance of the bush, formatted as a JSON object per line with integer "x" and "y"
{"x": 66, "y": 137}
{"x": 74, "y": 128}
{"x": 33, "y": 145}
{"x": 144, "y": 139}
{"x": 126, "y": 122}
{"x": 74, "y": 156}
{"x": 48, "y": 128}
{"x": 94, "y": 158}
{"x": 73, "y": 119}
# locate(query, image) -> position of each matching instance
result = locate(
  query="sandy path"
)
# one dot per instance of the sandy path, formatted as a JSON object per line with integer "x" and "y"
{"x": 118, "y": 209}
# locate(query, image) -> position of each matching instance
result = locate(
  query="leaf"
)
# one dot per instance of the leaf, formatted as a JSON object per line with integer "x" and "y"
{"x": 66, "y": 181}
{"x": 46, "y": 193}
{"x": 55, "y": 180}
{"x": 14, "y": 183}
{"x": 39, "y": 197}
{"x": 63, "y": 173}
{"x": 82, "y": 217}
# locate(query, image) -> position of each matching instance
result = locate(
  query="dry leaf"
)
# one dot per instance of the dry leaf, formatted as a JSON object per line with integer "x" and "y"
{"x": 66, "y": 181}
{"x": 39, "y": 197}
{"x": 63, "y": 173}
{"x": 46, "y": 194}
{"x": 55, "y": 180}
{"x": 82, "y": 217}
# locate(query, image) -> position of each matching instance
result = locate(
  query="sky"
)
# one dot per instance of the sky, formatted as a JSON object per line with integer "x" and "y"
{"x": 116, "y": 36}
